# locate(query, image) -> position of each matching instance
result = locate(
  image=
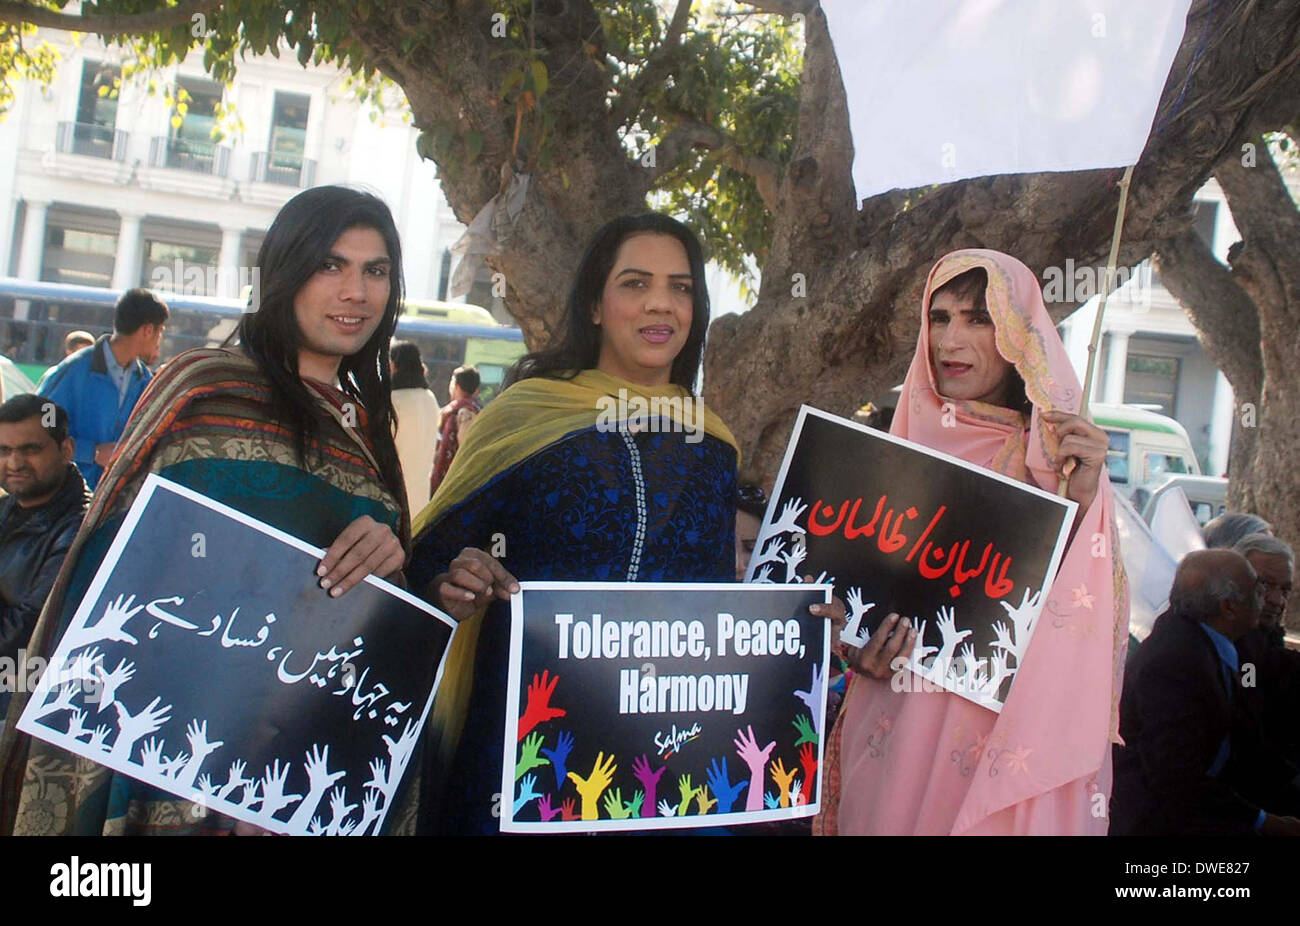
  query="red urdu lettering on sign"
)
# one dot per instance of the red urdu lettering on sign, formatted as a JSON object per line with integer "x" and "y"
{"x": 926, "y": 533}
{"x": 934, "y": 572}
{"x": 821, "y": 530}
{"x": 934, "y": 561}
{"x": 1000, "y": 586}
{"x": 853, "y": 533}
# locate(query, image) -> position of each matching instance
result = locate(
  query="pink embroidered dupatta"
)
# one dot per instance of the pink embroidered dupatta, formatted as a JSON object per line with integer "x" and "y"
{"x": 932, "y": 762}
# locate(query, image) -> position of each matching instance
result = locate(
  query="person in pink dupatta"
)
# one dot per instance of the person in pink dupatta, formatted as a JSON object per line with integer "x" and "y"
{"x": 918, "y": 762}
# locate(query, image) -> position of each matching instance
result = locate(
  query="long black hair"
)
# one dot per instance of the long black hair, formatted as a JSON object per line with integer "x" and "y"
{"x": 408, "y": 367}
{"x": 578, "y": 347}
{"x": 295, "y": 246}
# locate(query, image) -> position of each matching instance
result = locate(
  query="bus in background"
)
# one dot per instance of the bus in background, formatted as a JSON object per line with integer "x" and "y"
{"x": 35, "y": 317}
{"x": 476, "y": 339}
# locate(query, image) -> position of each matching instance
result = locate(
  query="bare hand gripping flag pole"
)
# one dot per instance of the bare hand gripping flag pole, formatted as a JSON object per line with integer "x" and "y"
{"x": 953, "y": 89}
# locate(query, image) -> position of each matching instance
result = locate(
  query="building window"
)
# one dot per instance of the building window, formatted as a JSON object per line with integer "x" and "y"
{"x": 181, "y": 268}
{"x": 1152, "y": 381}
{"x": 444, "y": 274}
{"x": 288, "y": 144}
{"x": 191, "y": 145}
{"x": 74, "y": 255}
{"x": 96, "y": 110}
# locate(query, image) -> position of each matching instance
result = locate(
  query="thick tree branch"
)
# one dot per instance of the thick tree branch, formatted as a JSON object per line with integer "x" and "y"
{"x": 677, "y": 25}
{"x": 107, "y": 23}
{"x": 689, "y": 135}
{"x": 657, "y": 67}
{"x": 1265, "y": 263}
{"x": 1225, "y": 317}
{"x": 818, "y": 208}
{"x": 782, "y": 7}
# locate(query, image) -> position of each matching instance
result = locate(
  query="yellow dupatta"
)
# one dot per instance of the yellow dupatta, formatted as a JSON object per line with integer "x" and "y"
{"x": 535, "y": 413}
{"x": 526, "y": 418}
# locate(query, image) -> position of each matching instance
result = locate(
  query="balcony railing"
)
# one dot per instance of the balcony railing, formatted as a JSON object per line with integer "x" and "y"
{"x": 183, "y": 154}
{"x": 96, "y": 141}
{"x": 269, "y": 167}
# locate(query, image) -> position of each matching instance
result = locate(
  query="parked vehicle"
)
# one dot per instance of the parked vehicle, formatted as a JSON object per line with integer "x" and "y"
{"x": 448, "y": 334}
{"x": 1206, "y": 495}
{"x": 1145, "y": 448}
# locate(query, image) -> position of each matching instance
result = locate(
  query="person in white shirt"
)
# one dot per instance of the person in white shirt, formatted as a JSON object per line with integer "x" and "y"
{"x": 418, "y": 421}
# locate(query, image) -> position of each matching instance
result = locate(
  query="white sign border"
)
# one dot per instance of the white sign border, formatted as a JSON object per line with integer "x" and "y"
{"x": 1058, "y": 551}
{"x": 510, "y": 825}
{"x": 152, "y": 483}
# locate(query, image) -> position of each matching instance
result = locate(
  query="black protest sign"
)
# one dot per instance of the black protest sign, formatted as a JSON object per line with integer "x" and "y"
{"x": 663, "y": 705}
{"x": 897, "y": 527}
{"x": 205, "y": 660}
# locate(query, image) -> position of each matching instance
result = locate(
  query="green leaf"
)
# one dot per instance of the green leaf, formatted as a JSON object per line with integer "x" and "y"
{"x": 540, "y": 79}
{"x": 513, "y": 79}
{"x": 473, "y": 145}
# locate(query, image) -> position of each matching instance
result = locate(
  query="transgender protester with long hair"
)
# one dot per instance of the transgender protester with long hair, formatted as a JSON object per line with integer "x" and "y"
{"x": 293, "y": 426}
{"x": 572, "y": 498}
{"x": 990, "y": 383}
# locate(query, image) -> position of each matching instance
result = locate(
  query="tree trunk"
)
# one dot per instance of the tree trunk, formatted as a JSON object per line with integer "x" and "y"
{"x": 1266, "y": 263}
{"x": 1227, "y": 325}
{"x": 854, "y": 330}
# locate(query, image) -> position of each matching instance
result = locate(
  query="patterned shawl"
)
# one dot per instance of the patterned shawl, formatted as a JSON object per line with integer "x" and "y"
{"x": 206, "y": 422}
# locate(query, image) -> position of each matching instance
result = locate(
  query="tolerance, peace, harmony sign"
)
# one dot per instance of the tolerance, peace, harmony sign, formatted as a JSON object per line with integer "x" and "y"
{"x": 661, "y": 705}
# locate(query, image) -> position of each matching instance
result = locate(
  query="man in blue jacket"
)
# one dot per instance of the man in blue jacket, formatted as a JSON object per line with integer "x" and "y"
{"x": 99, "y": 385}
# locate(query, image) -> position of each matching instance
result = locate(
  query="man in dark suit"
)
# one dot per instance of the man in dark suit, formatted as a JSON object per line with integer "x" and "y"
{"x": 1186, "y": 725}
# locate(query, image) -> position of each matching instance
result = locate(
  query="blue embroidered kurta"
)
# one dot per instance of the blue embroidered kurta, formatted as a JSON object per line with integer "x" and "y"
{"x": 593, "y": 506}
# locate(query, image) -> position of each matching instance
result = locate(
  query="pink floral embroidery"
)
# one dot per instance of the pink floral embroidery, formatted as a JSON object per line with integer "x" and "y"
{"x": 1080, "y": 598}
{"x": 1016, "y": 759}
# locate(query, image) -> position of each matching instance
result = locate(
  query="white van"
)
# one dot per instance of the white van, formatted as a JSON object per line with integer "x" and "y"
{"x": 1145, "y": 447}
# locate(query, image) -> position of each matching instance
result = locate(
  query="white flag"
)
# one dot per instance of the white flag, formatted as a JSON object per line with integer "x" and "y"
{"x": 1150, "y": 568}
{"x": 941, "y": 90}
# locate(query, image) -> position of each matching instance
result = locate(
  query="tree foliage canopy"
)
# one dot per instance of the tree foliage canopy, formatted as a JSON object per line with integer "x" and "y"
{"x": 706, "y": 100}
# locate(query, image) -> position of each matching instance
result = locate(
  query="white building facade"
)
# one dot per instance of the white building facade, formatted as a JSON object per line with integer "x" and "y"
{"x": 111, "y": 190}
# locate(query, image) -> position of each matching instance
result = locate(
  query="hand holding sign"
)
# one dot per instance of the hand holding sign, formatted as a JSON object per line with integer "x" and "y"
{"x": 1084, "y": 442}
{"x": 365, "y": 547}
{"x": 471, "y": 581}
{"x": 893, "y": 639}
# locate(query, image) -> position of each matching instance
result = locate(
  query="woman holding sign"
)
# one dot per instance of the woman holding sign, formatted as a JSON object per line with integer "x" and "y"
{"x": 598, "y": 463}
{"x": 991, "y": 383}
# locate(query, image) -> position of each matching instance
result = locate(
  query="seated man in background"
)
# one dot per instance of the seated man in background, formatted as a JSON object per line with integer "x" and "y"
{"x": 1277, "y": 669}
{"x": 1224, "y": 531}
{"x": 1189, "y": 764}
{"x": 38, "y": 520}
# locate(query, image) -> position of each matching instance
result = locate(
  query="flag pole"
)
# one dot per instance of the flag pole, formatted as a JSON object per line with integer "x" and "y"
{"x": 1106, "y": 284}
